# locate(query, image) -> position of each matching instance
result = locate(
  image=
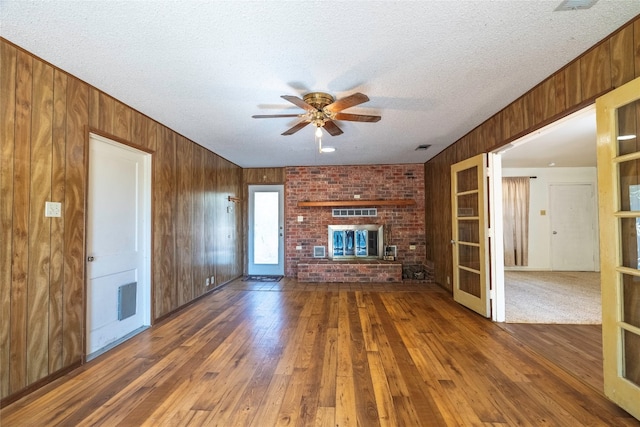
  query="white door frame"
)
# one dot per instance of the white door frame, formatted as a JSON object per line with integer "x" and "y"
{"x": 145, "y": 246}
{"x": 265, "y": 269}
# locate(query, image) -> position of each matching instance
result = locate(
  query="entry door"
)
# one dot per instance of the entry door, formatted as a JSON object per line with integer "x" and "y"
{"x": 618, "y": 116}
{"x": 573, "y": 231}
{"x": 470, "y": 233}
{"x": 266, "y": 230}
{"x": 118, "y": 242}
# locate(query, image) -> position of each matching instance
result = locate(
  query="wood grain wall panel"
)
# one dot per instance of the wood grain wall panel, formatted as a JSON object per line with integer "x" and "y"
{"x": 573, "y": 84}
{"x": 490, "y": 134}
{"x": 636, "y": 47}
{"x": 8, "y": 64}
{"x": 20, "y": 239}
{"x": 622, "y": 57}
{"x": 106, "y": 113}
{"x": 263, "y": 175}
{"x": 595, "y": 71}
{"x": 210, "y": 219}
{"x": 184, "y": 220}
{"x": 56, "y": 272}
{"x": 540, "y": 103}
{"x": 200, "y": 272}
{"x": 122, "y": 122}
{"x": 228, "y": 240}
{"x": 513, "y": 118}
{"x": 74, "y": 220}
{"x": 164, "y": 276}
{"x": 94, "y": 108}
{"x": 45, "y": 114}
{"x": 560, "y": 92}
{"x": 39, "y": 226}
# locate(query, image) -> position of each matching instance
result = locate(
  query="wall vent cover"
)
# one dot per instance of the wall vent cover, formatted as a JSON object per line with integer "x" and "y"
{"x": 319, "y": 252}
{"x": 127, "y": 300}
{"x": 340, "y": 212}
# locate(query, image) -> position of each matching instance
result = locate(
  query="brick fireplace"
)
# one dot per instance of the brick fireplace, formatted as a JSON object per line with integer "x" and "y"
{"x": 307, "y": 227}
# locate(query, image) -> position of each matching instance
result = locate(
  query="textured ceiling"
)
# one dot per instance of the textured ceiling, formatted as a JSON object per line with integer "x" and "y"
{"x": 432, "y": 69}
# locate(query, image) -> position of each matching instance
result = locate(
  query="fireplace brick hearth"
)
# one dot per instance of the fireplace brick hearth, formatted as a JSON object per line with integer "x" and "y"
{"x": 323, "y": 270}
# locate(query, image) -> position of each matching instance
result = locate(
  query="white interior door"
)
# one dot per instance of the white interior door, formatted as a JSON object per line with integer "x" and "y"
{"x": 118, "y": 242}
{"x": 471, "y": 233}
{"x": 618, "y": 125}
{"x": 573, "y": 227}
{"x": 266, "y": 230}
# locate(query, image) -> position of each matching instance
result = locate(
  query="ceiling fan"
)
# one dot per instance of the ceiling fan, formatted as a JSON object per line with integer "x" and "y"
{"x": 321, "y": 110}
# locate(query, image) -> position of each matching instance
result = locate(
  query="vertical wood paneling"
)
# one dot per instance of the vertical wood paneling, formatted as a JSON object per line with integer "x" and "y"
{"x": 560, "y": 92}
{"x": 595, "y": 71}
{"x": 56, "y": 274}
{"x": 164, "y": 232}
{"x": 44, "y": 117}
{"x": 184, "y": 217}
{"x": 106, "y": 112}
{"x": 513, "y": 119}
{"x": 210, "y": 217}
{"x": 199, "y": 271}
{"x": 7, "y": 137}
{"x": 74, "y": 223}
{"x": 622, "y": 70}
{"x": 39, "y": 226}
{"x": 122, "y": 121}
{"x": 573, "y": 84}
{"x": 20, "y": 250}
{"x": 636, "y": 46}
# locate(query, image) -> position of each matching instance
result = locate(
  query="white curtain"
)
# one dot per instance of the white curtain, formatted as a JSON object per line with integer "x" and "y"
{"x": 515, "y": 207}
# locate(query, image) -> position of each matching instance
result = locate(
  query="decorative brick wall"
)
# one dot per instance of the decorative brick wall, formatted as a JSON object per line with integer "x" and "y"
{"x": 320, "y": 270}
{"x": 403, "y": 224}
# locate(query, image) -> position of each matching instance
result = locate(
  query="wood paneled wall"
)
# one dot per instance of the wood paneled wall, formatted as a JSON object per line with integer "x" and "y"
{"x": 609, "y": 64}
{"x": 45, "y": 119}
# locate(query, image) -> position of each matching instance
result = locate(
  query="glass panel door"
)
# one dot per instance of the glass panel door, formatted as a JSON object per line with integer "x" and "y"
{"x": 618, "y": 117}
{"x": 470, "y": 234}
{"x": 266, "y": 230}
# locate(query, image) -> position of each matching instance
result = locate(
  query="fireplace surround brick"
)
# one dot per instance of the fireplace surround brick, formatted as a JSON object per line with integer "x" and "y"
{"x": 403, "y": 224}
{"x": 323, "y": 270}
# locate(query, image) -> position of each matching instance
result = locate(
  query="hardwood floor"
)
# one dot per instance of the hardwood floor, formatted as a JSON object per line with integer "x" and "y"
{"x": 267, "y": 354}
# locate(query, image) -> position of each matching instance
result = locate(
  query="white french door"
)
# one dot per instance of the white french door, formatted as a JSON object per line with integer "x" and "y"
{"x": 618, "y": 127}
{"x": 266, "y": 230}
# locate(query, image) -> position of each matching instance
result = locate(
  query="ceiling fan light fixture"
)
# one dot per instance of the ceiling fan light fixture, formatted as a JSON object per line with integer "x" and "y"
{"x": 318, "y": 131}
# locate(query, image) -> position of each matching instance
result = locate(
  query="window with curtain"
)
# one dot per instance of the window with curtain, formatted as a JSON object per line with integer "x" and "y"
{"x": 515, "y": 208}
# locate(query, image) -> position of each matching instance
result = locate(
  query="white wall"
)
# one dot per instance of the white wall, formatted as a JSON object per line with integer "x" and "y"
{"x": 539, "y": 223}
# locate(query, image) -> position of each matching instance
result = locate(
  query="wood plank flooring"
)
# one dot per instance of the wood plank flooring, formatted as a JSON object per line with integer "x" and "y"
{"x": 271, "y": 354}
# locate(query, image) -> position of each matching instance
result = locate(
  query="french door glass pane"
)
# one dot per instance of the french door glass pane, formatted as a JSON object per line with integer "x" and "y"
{"x": 631, "y": 298}
{"x": 265, "y": 228}
{"x": 469, "y": 282}
{"x": 468, "y": 179}
{"x": 632, "y": 357}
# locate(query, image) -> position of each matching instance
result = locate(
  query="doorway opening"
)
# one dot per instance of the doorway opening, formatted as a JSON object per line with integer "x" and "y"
{"x": 266, "y": 230}
{"x": 559, "y": 283}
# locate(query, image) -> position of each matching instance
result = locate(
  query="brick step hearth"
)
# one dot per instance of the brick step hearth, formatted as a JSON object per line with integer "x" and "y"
{"x": 325, "y": 270}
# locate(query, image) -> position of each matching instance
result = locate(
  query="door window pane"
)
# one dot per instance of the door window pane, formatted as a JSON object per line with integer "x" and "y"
{"x": 631, "y": 299}
{"x": 628, "y": 128}
{"x": 265, "y": 228}
{"x": 467, "y": 179}
{"x": 632, "y": 357}
{"x": 469, "y": 282}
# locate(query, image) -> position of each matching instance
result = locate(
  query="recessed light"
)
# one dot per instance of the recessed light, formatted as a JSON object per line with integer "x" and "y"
{"x": 626, "y": 137}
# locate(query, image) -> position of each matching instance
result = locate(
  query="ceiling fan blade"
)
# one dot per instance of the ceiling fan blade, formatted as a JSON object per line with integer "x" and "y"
{"x": 300, "y": 103}
{"x": 332, "y": 128}
{"x": 349, "y": 101}
{"x": 296, "y": 128}
{"x": 356, "y": 117}
{"x": 271, "y": 116}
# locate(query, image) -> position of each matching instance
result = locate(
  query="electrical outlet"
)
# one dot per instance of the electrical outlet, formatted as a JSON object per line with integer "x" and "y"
{"x": 213, "y": 280}
{"x": 298, "y": 248}
{"x": 356, "y": 196}
{"x": 53, "y": 209}
{"x": 300, "y": 218}
{"x": 412, "y": 247}
{"x": 448, "y": 280}
{"x": 207, "y": 282}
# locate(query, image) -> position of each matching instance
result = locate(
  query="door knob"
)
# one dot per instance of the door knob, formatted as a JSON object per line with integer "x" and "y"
{"x": 90, "y": 259}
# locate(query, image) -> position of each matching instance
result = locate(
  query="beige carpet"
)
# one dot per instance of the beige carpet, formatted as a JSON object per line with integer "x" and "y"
{"x": 553, "y": 297}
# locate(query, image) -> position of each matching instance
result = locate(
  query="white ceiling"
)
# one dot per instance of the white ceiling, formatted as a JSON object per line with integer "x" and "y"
{"x": 433, "y": 70}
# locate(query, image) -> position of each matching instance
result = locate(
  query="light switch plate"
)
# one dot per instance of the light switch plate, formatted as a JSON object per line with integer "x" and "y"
{"x": 53, "y": 209}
